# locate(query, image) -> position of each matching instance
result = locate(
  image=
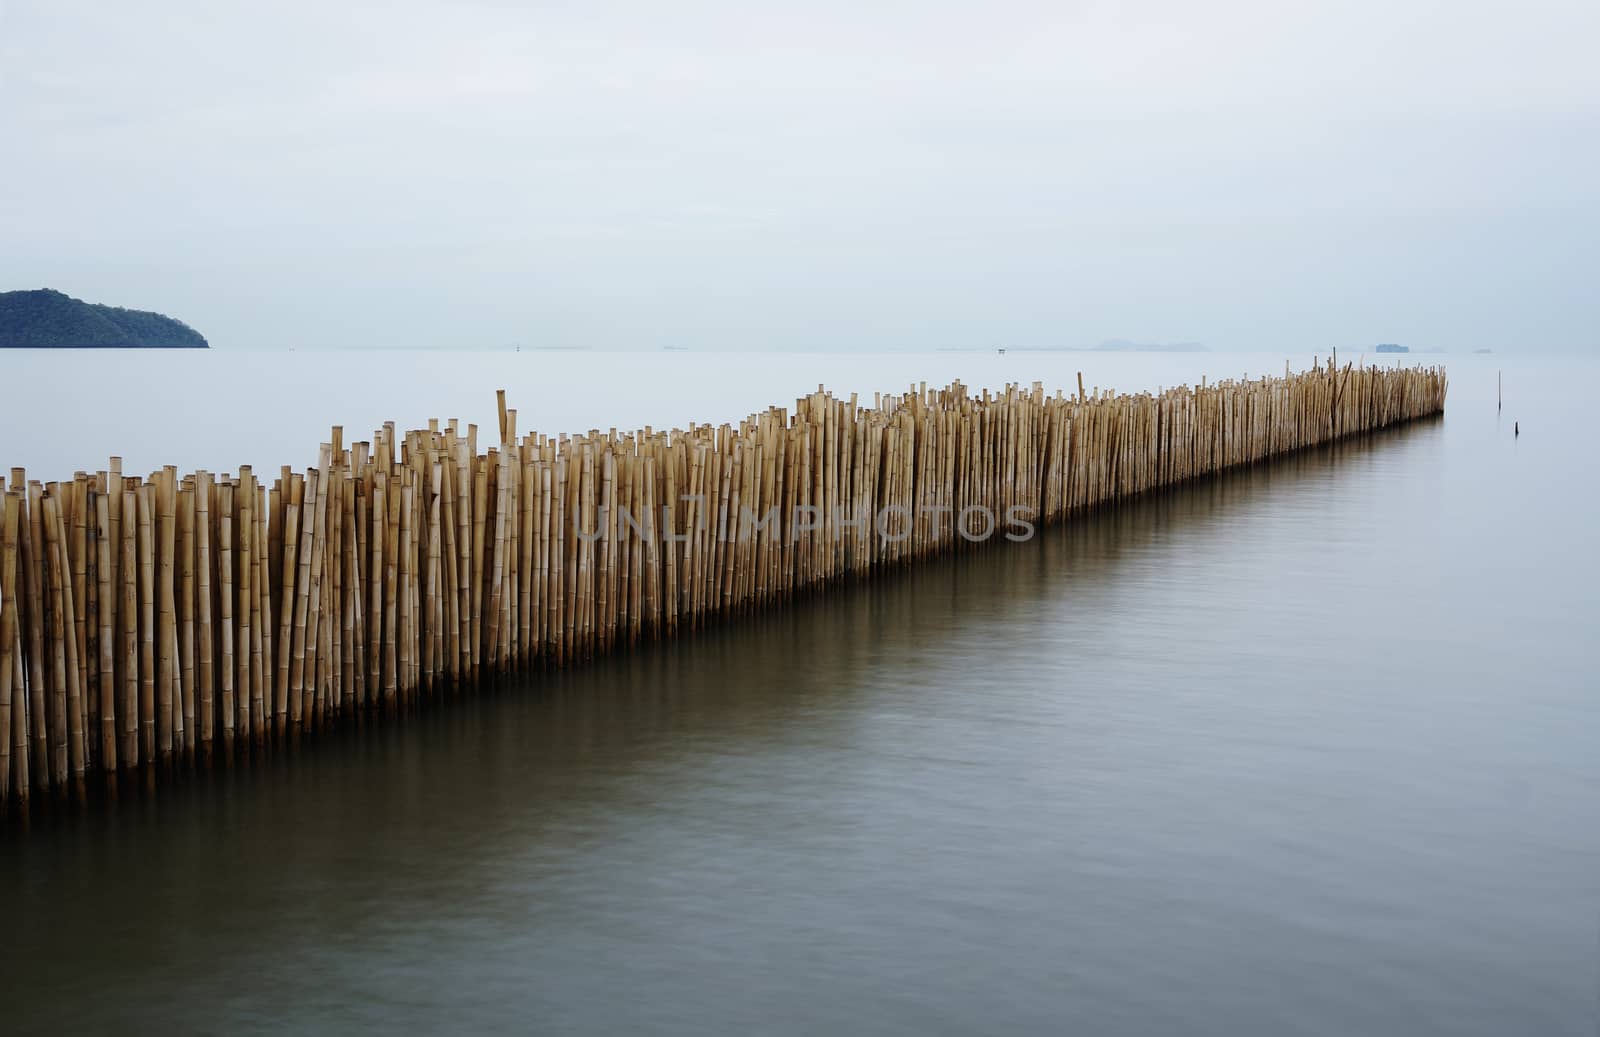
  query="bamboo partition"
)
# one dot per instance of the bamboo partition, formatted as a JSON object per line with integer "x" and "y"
{"x": 167, "y": 619}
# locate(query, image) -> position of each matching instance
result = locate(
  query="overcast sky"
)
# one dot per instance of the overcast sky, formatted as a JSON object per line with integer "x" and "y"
{"x": 741, "y": 175}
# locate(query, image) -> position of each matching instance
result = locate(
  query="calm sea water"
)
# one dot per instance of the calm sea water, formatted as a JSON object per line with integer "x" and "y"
{"x": 1307, "y": 749}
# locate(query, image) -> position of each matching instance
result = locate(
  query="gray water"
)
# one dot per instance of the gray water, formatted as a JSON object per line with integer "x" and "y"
{"x": 1305, "y": 749}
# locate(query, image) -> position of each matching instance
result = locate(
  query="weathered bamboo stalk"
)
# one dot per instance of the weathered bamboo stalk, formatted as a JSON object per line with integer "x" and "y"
{"x": 9, "y": 519}
{"x": 205, "y": 655}
{"x": 105, "y": 546}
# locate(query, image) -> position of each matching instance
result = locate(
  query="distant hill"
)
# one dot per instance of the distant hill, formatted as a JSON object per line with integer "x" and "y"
{"x": 47, "y": 319}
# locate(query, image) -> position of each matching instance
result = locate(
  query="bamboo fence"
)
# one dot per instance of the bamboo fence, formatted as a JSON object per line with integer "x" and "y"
{"x": 172, "y": 619}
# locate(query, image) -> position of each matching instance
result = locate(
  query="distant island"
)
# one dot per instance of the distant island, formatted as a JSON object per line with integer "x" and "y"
{"x": 1390, "y": 347}
{"x": 1110, "y": 345}
{"x": 48, "y": 319}
{"x": 1122, "y": 345}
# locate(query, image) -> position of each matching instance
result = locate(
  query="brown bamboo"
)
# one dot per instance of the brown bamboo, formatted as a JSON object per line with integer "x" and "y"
{"x": 167, "y": 685}
{"x": 128, "y": 713}
{"x": 187, "y": 558}
{"x": 224, "y": 662}
{"x": 9, "y": 519}
{"x": 248, "y": 696}
{"x": 106, "y": 549}
{"x": 205, "y": 605}
{"x": 66, "y": 721}
{"x": 147, "y": 623}
{"x": 75, "y": 542}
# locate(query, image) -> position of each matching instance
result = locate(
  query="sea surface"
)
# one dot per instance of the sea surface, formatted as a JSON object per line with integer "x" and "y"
{"x": 1308, "y": 748}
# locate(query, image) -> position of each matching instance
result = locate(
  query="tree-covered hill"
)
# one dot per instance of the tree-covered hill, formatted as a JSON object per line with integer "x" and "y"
{"x": 47, "y": 319}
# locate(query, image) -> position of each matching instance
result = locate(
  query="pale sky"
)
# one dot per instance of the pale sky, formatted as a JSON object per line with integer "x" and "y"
{"x": 837, "y": 175}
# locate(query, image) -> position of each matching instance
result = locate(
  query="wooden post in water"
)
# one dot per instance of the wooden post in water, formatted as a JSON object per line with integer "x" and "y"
{"x": 106, "y": 549}
{"x": 205, "y": 653}
{"x": 10, "y": 517}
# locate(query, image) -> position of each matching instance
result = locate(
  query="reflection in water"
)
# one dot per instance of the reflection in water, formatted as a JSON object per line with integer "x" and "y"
{"x": 1172, "y": 767}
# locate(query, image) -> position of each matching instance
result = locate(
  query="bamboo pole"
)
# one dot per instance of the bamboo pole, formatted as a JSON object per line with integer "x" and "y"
{"x": 105, "y": 546}
{"x": 166, "y": 645}
{"x": 187, "y": 552}
{"x": 312, "y": 647}
{"x": 395, "y": 499}
{"x": 75, "y": 542}
{"x": 302, "y": 602}
{"x": 21, "y": 769}
{"x": 206, "y": 640}
{"x": 62, "y": 627}
{"x": 128, "y": 712}
{"x": 403, "y": 637}
{"x": 226, "y": 705}
{"x": 247, "y": 691}
{"x": 262, "y": 690}
{"x": 112, "y": 606}
{"x": 377, "y": 575}
{"x": 9, "y": 520}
